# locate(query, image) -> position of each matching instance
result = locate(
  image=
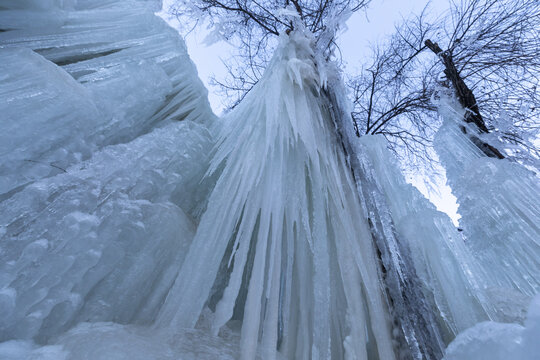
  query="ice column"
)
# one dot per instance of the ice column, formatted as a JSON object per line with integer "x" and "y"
{"x": 284, "y": 245}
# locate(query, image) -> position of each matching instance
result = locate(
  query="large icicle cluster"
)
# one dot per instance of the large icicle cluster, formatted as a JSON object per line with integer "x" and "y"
{"x": 284, "y": 245}
{"x": 424, "y": 260}
{"x": 499, "y": 202}
{"x": 500, "y": 216}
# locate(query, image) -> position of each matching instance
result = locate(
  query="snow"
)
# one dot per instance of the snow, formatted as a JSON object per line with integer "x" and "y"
{"x": 19, "y": 349}
{"x": 499, "y": 341}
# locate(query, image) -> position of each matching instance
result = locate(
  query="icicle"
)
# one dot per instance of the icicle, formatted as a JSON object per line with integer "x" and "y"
{"x": 440, "y": 256}
{"x": 418, "y": 332}
{"x": 304, "y": 279}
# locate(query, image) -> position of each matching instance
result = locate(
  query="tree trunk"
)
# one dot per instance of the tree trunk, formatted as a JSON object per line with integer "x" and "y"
{"x": 466, "y": 99}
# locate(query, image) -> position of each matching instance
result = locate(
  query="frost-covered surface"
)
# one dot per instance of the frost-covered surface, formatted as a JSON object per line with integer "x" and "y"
{"x": 499, "y": 341}
{"x": 106, "y": 341}
{"x": 78, "y": 75}
{"x": 284, "y": 245}
{"x": 499, "y": 202}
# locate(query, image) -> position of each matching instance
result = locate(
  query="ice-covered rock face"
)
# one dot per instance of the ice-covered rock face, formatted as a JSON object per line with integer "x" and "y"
{"x": 103, "y": 241}
{"x": 100, "y": 184}
{"x": 499, "y": 203}
{"x": 79, "y": 75}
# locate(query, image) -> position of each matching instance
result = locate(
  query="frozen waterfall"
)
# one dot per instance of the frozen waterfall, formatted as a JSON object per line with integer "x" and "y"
{"x": 80, "y": 75}
{"x": 135, "y": 224}
{"x": 284, "y": 245}
{"x": 100, "y": 184}
{"x": 440, "y": 257}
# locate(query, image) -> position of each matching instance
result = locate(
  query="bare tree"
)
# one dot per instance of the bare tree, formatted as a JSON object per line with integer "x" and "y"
{"x": 491, "y": 58}
{"x": 392, "y": 93}
{"x": 253, "y": 27}
{"x": 489, "y": 53}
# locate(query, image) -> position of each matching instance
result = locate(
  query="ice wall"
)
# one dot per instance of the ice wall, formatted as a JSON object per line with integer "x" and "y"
{"x": 100, "y": 183}
{"x": 80, "y": 75}
{"x": 284, "y": 246}
{"x": 103, "y": 241}
{"x": 499, "y": 202}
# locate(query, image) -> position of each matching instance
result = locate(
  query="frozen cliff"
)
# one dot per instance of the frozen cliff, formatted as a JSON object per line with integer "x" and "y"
{"x": 99, "y": 179}
{"x": 80, "y": 75}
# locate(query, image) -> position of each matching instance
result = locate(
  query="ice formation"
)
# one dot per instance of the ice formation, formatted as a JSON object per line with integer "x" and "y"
{"x": 80, "y": 75}
{"x": 499, "y": 202}
{"x": 103, "y": 241}
{"x": 284, "y": 245}
{"x": 101, "y": 197}
{"x": 107, "y": 340}
{"x": 500, "y": 341}
{"x": 441, "y": 260}
{"x": 424, "y": 261}
{"x": 133, "y": 225}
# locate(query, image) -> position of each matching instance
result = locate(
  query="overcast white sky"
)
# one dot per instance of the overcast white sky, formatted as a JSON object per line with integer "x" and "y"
{"x": 363, "y": 28}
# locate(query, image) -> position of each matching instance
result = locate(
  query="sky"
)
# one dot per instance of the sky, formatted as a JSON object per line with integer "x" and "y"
{"x": 376, "y": 23}
{"x": 363, "y": 28}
